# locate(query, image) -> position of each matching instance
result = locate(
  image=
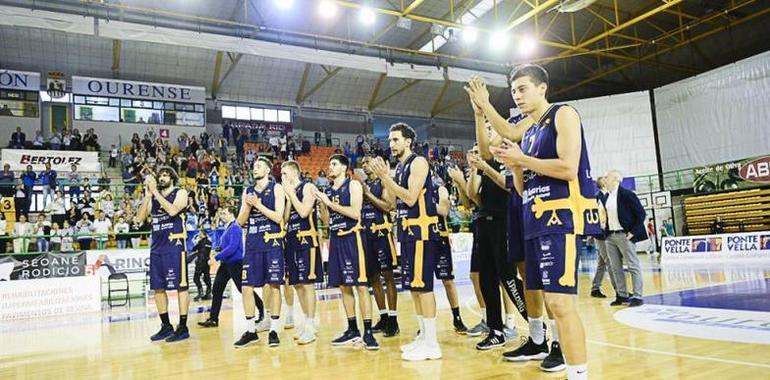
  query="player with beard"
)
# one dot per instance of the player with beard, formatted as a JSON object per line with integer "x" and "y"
{"x": 341, "y": 210}
{"x": 303, "y": 256}
{"x": 417, "y": 233}
{"x": 381, "y": 251}
{"x": 262, "y": 214}
{"x": 168, "y": 257}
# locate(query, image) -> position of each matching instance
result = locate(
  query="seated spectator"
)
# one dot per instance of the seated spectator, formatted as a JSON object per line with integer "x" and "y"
{"x": 55, "y": 141}
{"x": 42, "y": 229}
{"x": 321, "y": 182}
{"x": 121, "y": 233}
{"x": 76, "y": 140}
{"x": 85, "y": 232}
{"x": 22, "y": 231}
{"x": 38, "y": 142}
{"x": 7, "y": 181}
{"x": 18, "y": 139}
{"x": 67, "y": 237}
{"x": 136, "y": 238}
{"x": 107, "y": 204}
{"x": 102, "y": 227}
{"x": 55, "y": 239}
{"x": 66, "y": 141}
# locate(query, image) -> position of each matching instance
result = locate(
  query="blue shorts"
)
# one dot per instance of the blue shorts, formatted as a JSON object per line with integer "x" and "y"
{"x": 551, "y": 263}
{"x": 444, "y": 267}
{"x": 418, "y": 262}
{"x": 380, "y": 253}
{"x": 347, "y": 260}
{"x": 168, "y": 270}
{"x": 265, "y": 267}
{"x": 303, "y": 264}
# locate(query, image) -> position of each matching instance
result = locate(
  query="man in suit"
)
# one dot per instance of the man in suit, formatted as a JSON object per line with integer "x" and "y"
{"x": 18, "y": 139}
{"x": 624, "y": 227}
{"x": 603, "y": 262}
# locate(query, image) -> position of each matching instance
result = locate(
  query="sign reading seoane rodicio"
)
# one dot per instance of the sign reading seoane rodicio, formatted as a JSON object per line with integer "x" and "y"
{"x": 137, "y": 90}
{"x": 19, "y": 80}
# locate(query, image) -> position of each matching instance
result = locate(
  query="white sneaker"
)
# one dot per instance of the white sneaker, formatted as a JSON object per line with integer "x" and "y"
{"x": 422, "y": 352}
{"x": 299, "y": 332}
{"x": 307, "y": 336}
{"x": 410, "y": 346}
{"x": 289, "y": 321}
{"x": 264, "y": 324}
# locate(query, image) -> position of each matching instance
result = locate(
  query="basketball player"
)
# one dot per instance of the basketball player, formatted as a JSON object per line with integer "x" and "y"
{"x": 303, "y": 256}
{"x": 552, "y": 172}
{"x": 168, "y": 259}
{"x": 381, "y": 251}
{"x": 262, "y": 214}
{"x": 444, "y": 266}
{"x": 341, "y": 210}
{"x": 417, "y": 233}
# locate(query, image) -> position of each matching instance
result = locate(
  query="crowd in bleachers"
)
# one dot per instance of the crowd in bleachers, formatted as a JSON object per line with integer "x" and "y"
{"x": 68, "y": 212}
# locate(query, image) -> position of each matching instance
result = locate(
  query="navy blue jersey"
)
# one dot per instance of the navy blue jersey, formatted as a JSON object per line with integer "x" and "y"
{"x": 263, "y": 234}
{"x": 299, "y": 229}
{"x": 418, "y": 221}
{"x": 554, "y": 206}
{"x": 337, "y": 222}
{"x": 168, "y": 232}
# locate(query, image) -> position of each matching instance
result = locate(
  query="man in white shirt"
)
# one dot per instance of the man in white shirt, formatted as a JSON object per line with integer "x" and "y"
{"x": 625, "y": 227}
{"x": 102, "y": 227}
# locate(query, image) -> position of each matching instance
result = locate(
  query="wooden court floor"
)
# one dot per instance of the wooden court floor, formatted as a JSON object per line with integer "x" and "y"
{"x": 93, "y": 347}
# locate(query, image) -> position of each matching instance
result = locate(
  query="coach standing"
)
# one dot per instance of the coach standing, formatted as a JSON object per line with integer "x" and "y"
{"x": 624, "y": 228}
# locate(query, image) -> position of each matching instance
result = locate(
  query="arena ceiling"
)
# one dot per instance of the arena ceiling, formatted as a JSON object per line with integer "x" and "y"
{"x": 607, "y": 47}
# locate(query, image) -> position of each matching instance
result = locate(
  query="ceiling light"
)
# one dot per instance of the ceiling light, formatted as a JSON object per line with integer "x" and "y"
{"x": 470, "y": 35}
{"x": 527, "y": 46}
{"x": 367, "y": 16}
{"x": 327, "y": 9}
{"x": 283, "y": 4}
{"x": 498, "y": 40}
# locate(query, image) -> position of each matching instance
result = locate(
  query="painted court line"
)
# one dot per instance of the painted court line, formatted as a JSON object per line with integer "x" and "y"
{"x": 676, "y": 354}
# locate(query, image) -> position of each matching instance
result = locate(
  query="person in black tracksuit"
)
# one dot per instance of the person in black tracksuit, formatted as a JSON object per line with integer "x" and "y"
{"x": 202, "y": 250}
{"x": 230, "y": 257}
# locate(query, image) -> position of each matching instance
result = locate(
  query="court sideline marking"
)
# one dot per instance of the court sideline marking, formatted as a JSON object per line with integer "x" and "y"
{"x": 675, "y": 354}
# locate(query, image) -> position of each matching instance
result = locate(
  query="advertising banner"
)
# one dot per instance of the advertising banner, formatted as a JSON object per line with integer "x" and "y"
{"x": 60, "y": 160}
{"x": 723, "y": 246}
{"x": 49, "y": 297}
{"x": 740, "y": 174}
{"x": 42, "y": 265}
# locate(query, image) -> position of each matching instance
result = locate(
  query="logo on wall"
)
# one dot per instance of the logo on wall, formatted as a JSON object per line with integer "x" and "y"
{"x": 57, "y": 85}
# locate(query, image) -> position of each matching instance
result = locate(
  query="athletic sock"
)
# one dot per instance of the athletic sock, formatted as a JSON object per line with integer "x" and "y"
{"x": 536, "y": 331}
{"x": 274, "y": 322}
{"x": 484, "y": 314}
{"x": 367, "y": 326}
{"x": 554, "y": 331}
{"x": 164, "y": 319}
{"x": 456, "y": 313}
{"x": 384, "y": 315}
{"x": 577, "y": 372}
{"x": 421, "y": 324}
{"x": 250, "y": 325}
{"x": 510, "y": 321}
{"x": 393, "y": 314}
{"x": 352, "y": 324}
{"x": 429, "y": 326}
{"x": 182, "y": 322}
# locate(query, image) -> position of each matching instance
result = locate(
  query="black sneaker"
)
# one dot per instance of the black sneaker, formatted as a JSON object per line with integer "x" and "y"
{"x": 391, "y": 329}
{"x": 596, "y": 293}
{"x": 460, "y": 327}
{"x": 246, "y": 339}
{"x": 554, "y": 362}
{"x": 370, "y": 343}
{"x": 206, "y": 296}
{"x": 178, "y": 335}
{"x": 619, "y": 301}
{"x": 272, "y": 339}
{"x": 348, "y": 337}
{"x": 164, "y": 332}
{"x": 381, "y": 325}
{"x": 495, "y": 339}
{"x": 197, "y": 298}
{"x": 633, "y": 302}
{"x": 208, "y": 323}
{"x": 528, "y": 351}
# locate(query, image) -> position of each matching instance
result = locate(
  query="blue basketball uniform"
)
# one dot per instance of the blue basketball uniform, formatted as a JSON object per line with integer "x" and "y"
{"x": 380, "y": 249}
{"x": 303, "y": 258}
{"x": 556, "y": 214}
{"x": 263, "y": 254}
{"x": 168, "y": 254}
{"x": 417, "y": 232}
{"x": 347, "y": 253}
{"x": 515, "y": 229}
{"x": 444, "y": 267}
